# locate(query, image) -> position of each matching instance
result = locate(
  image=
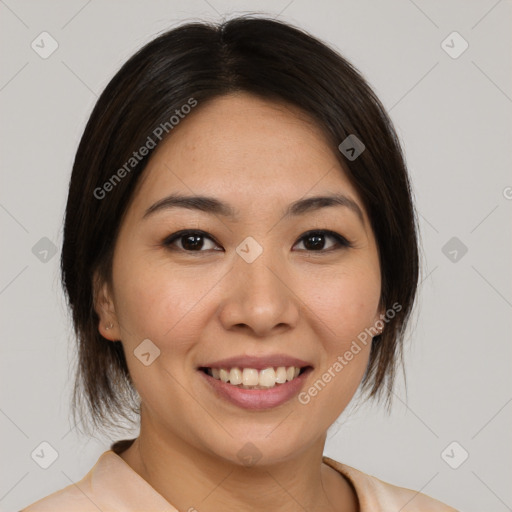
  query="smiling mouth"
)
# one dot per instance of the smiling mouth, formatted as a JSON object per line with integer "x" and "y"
{"x": 251, "y": 378}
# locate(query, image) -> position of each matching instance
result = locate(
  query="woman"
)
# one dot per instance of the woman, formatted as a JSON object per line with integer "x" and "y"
{"x": 240, "y": 256}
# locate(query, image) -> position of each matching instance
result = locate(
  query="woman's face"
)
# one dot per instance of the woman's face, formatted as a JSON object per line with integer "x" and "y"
{"x": 247, "y": 287}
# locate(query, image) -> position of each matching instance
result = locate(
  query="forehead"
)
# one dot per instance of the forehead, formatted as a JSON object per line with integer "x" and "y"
{"x": 241, "y": 148}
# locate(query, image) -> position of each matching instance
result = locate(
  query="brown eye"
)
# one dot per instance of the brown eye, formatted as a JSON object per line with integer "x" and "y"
{"x": 317, "y": 241}
{"x": 190, "y": 241}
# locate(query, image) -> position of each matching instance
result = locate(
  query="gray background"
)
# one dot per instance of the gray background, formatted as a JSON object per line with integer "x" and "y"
{"x": 454, "y": 118}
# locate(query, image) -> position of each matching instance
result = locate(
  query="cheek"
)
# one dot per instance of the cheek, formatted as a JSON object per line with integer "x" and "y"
{"x": 347, "y": 302}
{"x": 159, "y": 303}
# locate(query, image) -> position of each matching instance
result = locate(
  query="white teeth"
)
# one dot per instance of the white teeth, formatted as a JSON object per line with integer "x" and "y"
{"x": 267, "y": 378}
{"x": 235, "y": 376}
{"x": 249, "y": 377}
{"x": 281, "y": 375}
{"x": 252, "y": 378}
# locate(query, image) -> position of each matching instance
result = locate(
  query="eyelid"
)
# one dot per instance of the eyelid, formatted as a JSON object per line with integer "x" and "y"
{"x": 168, "y": 241}
{"x": 341, "y": 241}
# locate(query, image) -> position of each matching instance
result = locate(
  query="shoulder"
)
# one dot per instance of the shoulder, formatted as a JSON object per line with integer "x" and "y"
{"x": 375, "y": 495}
{"x": 68, "y": 498}
{"x": 111, "y": 485}
{"x": 81, "y": 496}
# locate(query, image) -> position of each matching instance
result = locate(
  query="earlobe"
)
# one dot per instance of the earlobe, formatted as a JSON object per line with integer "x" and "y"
{"x": 380, "y": 322}
{"x": 108, "y": 325}
{"x": 109, "y": 330}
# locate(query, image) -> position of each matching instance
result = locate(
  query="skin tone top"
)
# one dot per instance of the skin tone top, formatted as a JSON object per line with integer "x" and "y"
{"x": 302, "y": 300}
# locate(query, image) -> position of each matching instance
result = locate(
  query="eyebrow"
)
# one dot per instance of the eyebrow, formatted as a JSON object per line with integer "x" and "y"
{"x": 214, "y": 206}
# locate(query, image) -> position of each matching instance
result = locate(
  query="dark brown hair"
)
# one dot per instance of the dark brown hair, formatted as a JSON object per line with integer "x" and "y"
{"x": 272, "y": 60}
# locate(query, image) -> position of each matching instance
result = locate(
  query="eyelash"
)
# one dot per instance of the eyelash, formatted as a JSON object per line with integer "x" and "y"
{"x": 341, "y": 241}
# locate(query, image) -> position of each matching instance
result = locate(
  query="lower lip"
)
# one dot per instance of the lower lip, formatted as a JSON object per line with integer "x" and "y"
{"x": 257, "y": 399}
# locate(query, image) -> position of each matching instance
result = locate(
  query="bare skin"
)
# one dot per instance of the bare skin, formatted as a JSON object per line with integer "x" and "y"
{"x": 207, "y": 303}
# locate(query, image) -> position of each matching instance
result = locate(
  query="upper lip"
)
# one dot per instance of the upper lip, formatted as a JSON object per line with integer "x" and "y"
{"x": 257, "y": 362}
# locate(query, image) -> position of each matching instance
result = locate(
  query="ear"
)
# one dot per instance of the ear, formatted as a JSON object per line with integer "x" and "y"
{"x": 108, "y": 325}
{"x": 379, "y": 322}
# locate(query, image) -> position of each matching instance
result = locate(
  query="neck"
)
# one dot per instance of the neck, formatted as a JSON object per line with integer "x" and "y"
{"x": 195, "y": 480}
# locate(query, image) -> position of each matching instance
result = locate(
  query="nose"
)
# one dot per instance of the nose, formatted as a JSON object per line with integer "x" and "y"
{"x": 259, "y": 299}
